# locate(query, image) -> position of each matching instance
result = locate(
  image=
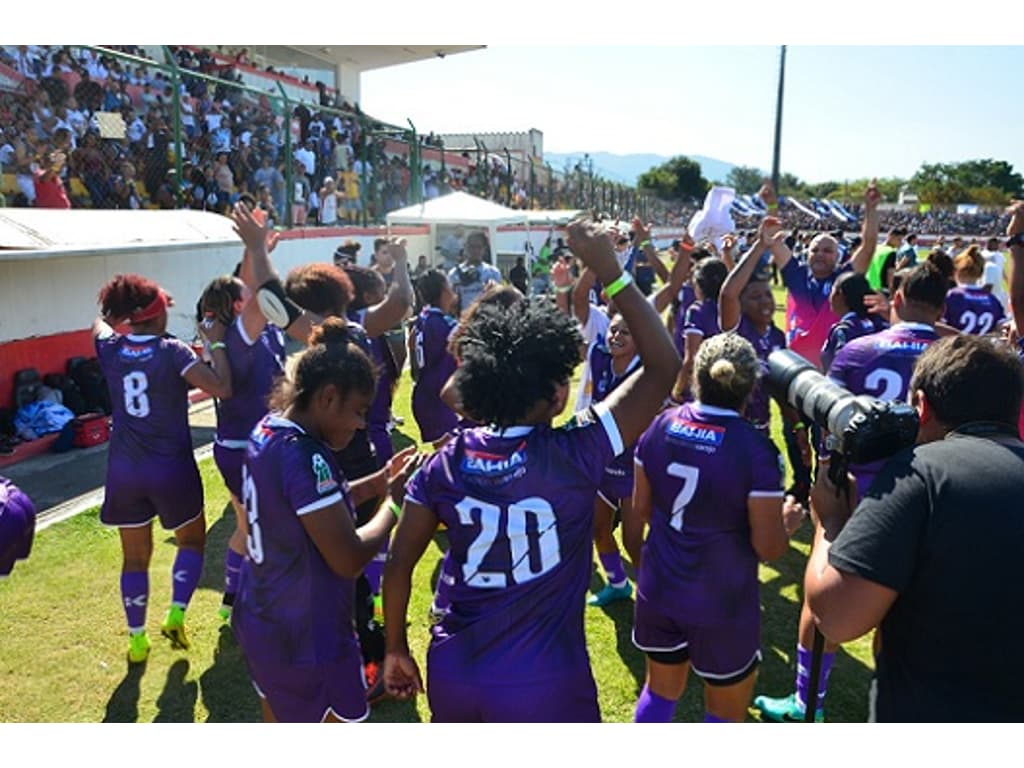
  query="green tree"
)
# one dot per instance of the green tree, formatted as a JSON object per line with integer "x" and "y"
{"x": 947, "y": 183}
{"x": 677, "y": 179}
{"x": 745, "y": 180}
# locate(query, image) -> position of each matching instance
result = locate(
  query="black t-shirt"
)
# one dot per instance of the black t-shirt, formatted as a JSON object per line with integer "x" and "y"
{"x": 943, "y": 525}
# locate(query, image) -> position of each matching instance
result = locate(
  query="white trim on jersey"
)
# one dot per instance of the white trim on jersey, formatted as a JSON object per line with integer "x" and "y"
{"x": 326, "y": 501}
{"x": 241, "y": 332}
{"x": 139, "y": 337}
{"x": 765, "y": 495}
{"x": 414, "y": 500}
{"x": 727, "y": 675}
{"x": 188, "y": 367}
{"x": 232, "y": 445}
{"x": 713, "y": 410}
{"x": 693, "y": 332}
{"x": 905, "y": 326}
{"x": 518, "y": 431}
{"x": 611, "y": 428}
{"x": 651, "y": 649}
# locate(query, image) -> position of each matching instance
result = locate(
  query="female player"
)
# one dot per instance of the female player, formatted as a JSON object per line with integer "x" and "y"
{"x": 855, "y": 316}
{"x": 432, "y": 362}
{"x": 293, "y": 616}
{"x": 151, "y": 471}
{"x": 709, "y": 485}
{"x": 700, "y": 320}
{"x": 518, "y": 497}
{"x": 256, "y": 355}
{"x": 971, "y": 309}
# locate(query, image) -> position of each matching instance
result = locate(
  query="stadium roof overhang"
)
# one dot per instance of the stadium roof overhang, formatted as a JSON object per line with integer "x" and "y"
{"x": 359, "y": 57}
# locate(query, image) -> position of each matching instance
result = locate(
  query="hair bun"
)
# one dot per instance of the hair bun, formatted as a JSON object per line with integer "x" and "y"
{"x": 723, "y": 371}
{"x": 333, "y": 330}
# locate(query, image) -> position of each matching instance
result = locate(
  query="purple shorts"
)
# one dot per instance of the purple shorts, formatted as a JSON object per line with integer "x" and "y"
{"x": 17, "y": 526}
{"x": 722, "y": 654}
{"x": 136, "y": 493}
{"x": 229, "y": 462}
{"x": 308, "y": 693}
{"x": 434, "y": 418}
{"x": 568, "y": 700}
{"x": 616, "y": 484}
{"x": 382, "y": 445}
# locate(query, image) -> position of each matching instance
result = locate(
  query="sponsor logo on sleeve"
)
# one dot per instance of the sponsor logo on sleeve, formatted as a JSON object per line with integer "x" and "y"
{"x": 325, "y": 480}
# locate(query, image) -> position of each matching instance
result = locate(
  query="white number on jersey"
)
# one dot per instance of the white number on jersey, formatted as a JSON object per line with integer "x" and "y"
{"x": 254, "y": 541}
{"x": 689, "y": 475}
{"x": 542, "y": 547}
{"x": 136, "y": 401}
{"x": 418, "y": 347}
{"x": 972, "y": 322}
{"x": 885, "y": 384}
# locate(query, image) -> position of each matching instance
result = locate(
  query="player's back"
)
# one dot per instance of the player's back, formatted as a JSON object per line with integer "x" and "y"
{"x": 148, "y": 395}
{"x": 970, "y": 309}
{"x": 881, "y": 364}
{"x": 255, "y": 365}
{"x": 703, "y": 464}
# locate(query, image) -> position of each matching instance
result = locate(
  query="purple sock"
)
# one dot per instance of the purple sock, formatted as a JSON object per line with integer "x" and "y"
{"x": 232, "y": 568}
{"x": 651, "y": 708}
{"x": 188, "y": 565}
{"x": 134, "y": 595}
{"x": 709, "y": 718}
{"x": 375, "y": 569}
{"x": 612, "y": 564}
{"x": 803, "y": 676}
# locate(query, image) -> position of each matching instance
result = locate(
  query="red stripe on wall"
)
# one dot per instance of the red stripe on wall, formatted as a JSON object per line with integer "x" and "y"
{"x": 47, "y": 354}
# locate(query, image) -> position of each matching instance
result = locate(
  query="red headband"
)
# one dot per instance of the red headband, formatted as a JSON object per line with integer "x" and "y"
{"x": 151, "y": 311}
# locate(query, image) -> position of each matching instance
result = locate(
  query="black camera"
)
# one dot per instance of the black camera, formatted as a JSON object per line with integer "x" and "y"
{"x": 861, "y": 429}
{"x": 468, "y": 274}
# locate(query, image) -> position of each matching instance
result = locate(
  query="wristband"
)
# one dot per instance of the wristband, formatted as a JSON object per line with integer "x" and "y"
{"x": 396, "y": 510}
{"x": 685, "y": 247}
{"x": 799, "y": 425}
{"x": 645, "y": 243}
{"x": 563, "y": 288}
{"x": 773, "y": 206}
{"x": 615, "y": 287}
{"x": 218, "y": 345}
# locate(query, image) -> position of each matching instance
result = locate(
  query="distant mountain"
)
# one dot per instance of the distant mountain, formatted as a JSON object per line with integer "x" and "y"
{"x": 625, "y": 169}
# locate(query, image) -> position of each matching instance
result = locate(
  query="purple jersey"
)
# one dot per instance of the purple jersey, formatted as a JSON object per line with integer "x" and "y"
{"x": 702, "y": 319}
{"x": 703, "y": 464}
{"x": 291, "y": 608}
{"x": 849, "y": 327}
{"x": 255, "y": 364}
{"x": 17, "y": 525}
{"x": 618, "y": 480}
{"x": 880, "y": 365}
{"x": 973, "y": 310}
{"x": 383, "y": 360}
{"x": 434, "y": 365}
{"x": 358, "y": 459}
{"x": 149, "y": 396}
{"x": 685, "y": 299}
{"x": 772, "y": 340}
{"x": 519, "y": 507}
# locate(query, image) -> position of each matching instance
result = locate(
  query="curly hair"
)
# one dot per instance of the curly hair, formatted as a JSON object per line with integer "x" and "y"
{"x": 725, "y": 371}
{"x": 219, "y": 299}
{"x": 331, "y": 358}
{"x": 501, "y": 296}
{"x": 127, "y": 294}
{"x": 514, "y": 358}
{"x": 323, "y": 289}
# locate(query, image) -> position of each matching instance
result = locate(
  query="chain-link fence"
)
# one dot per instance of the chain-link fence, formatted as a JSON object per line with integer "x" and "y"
{"x": 177, "y": 127}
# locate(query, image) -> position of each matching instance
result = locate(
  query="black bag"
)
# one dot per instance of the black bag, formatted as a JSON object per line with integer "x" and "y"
{"x": 88, "y": 375}
{"x": 70, "y": 393}
{"x": 26, "y": 387}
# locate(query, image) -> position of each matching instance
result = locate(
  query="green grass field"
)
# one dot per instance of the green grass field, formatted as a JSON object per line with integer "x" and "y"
{"x": 63, "y": 638}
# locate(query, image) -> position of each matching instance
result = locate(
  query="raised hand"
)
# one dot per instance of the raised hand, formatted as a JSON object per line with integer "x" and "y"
{"x": 872, "y": 197}
{"x": 767, "y": 194}
{"x": 590, "y": 244}
{"x": 396, "y": 249}
{"x": 1016, "y": 211}
{"x": 252, "y": 232}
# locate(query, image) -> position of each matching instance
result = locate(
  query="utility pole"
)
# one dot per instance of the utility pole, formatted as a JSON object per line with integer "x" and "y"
{"x": 778, "y": 120}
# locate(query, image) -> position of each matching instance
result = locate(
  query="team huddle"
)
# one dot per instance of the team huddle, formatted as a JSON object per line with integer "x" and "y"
{"x": 670, "y": 439}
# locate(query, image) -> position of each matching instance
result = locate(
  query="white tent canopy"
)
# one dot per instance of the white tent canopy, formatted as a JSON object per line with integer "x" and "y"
{"x": 454, "y": 209}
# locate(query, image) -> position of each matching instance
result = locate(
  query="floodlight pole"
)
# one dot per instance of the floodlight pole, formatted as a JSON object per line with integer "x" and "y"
{"x": 778, "y": 120}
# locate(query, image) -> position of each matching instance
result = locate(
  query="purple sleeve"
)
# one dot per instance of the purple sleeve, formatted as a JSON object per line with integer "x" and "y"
{"x": 766, "y": 468}
{"x": 310, "y": 477}
{"x": 794, "y": 276}
{"x": 417, "y": 490}
{"x": 590, "y": 440}
{"x": 183, "y": 355}
{"x": 641, "y": 453}
{"x": 841, "y": 366}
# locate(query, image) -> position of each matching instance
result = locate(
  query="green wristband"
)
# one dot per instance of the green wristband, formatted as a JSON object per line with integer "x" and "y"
{"x": 645, "y": 243}
{"x": 395, "y": 509}
{"x": 615, "y": 288}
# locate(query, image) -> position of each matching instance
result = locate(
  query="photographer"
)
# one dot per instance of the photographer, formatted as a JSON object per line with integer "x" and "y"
{"x": 470, "y": 277}
{"x": 934, "y": 547}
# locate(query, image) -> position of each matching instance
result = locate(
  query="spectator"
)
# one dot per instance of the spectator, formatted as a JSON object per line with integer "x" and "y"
{"x": 519, "y": 277}
{"x": 224, "y": 176}
{"x": 925, "y": 546}
{"x": 49, "y": 189}
{"x": 470, "y": 277}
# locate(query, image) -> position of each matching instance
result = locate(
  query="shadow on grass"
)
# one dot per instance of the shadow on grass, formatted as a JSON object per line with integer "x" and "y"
{"x": 123, "y": 705}
{"x": 177, "y": 701}
{"x": 621, "y": 614}
{"x": 401, "y": 440}
{"x": 227, "y": 692}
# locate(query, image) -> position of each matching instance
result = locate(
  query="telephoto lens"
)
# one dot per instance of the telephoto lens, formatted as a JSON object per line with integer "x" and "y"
{"x": 860, "y": 428}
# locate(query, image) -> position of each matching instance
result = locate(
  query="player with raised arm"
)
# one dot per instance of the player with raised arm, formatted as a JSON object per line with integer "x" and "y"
{"x": 151, "y": 472}
{"x": 518, "y": 499}
{"x": 293, "y": 616}
{"x": 879, "y": 365}
{"x": 709, "y": 485}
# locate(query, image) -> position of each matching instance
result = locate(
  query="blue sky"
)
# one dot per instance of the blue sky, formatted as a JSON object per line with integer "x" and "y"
{"x": 849, "y": 111}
